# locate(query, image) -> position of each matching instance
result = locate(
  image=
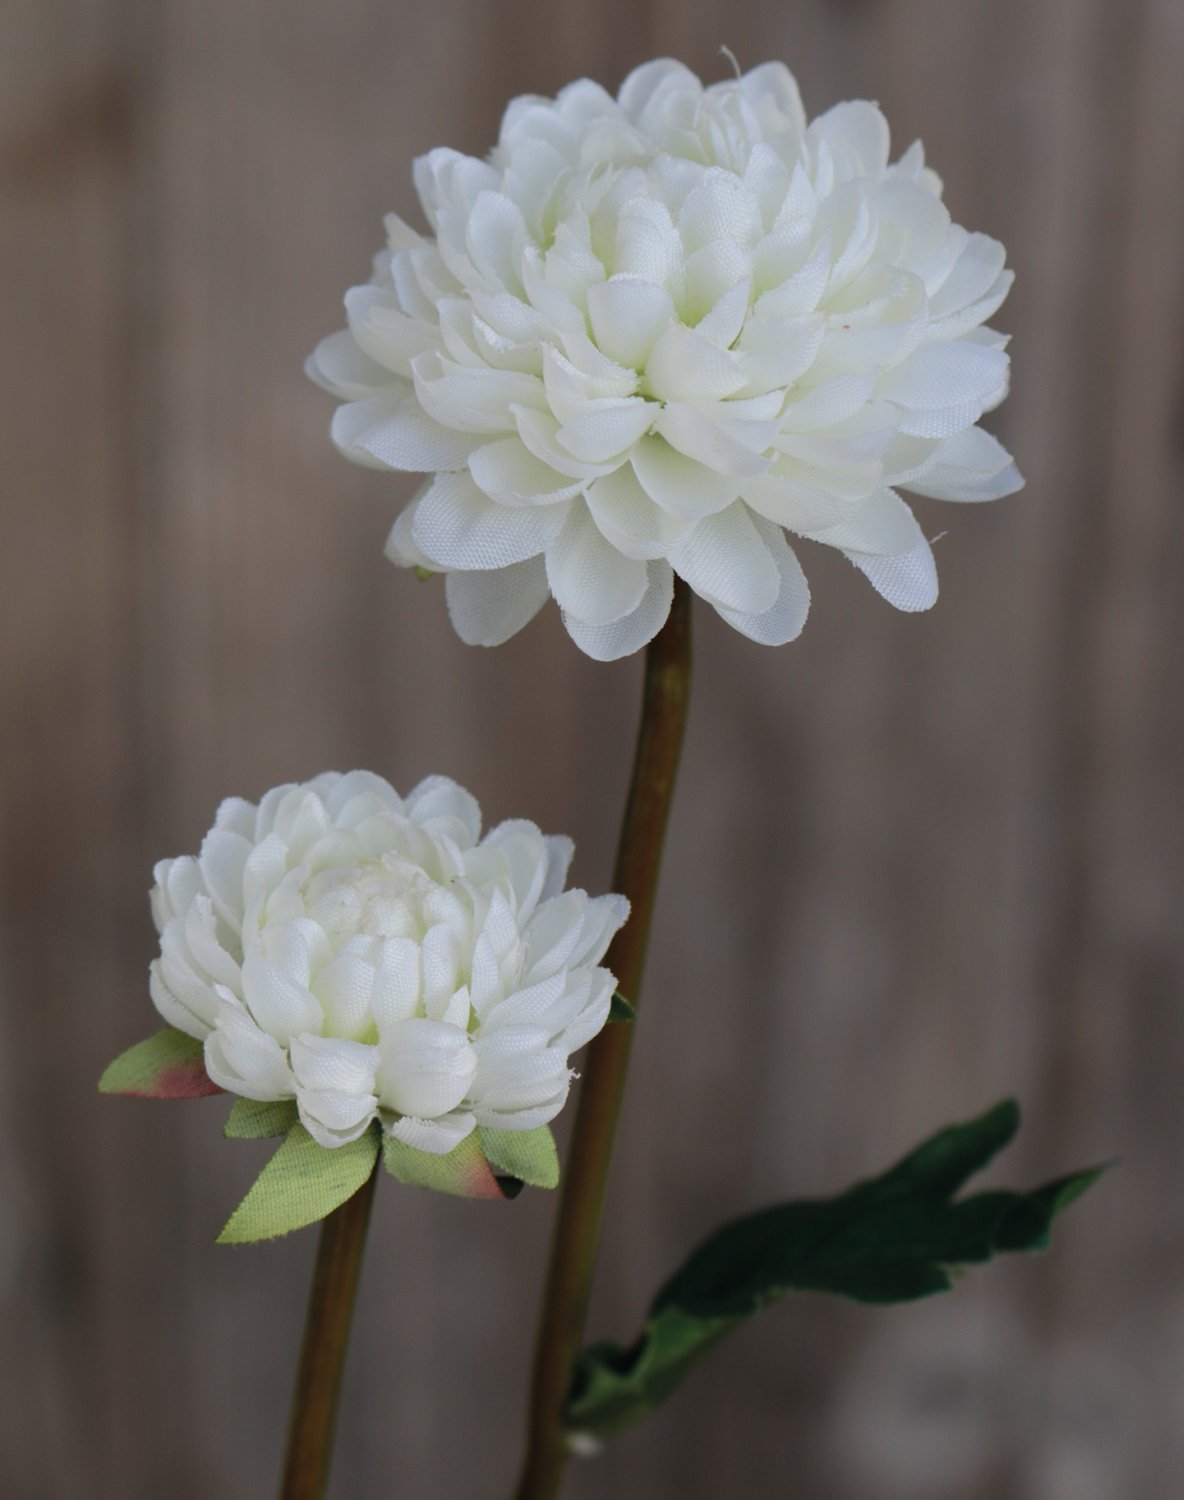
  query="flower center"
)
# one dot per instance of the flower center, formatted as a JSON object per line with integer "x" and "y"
{"x": 381, "y": 897}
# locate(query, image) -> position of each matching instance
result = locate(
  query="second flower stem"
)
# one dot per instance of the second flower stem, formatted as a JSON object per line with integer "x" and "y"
{"x": 577, "y": 1233}
{"x": 330, "y": 1308}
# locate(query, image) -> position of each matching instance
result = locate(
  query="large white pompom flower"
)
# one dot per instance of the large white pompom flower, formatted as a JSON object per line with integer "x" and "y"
{"x": 373, "y": 957}
{"x": 655, "y": 333}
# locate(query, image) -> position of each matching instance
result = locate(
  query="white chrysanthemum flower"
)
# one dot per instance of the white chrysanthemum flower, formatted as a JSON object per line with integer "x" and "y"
{"x": 373, "y": 957}
{"x": 656, "y": 332}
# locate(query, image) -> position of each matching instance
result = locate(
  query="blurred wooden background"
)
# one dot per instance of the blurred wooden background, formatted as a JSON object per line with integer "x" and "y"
{"x": 917, "y": 863}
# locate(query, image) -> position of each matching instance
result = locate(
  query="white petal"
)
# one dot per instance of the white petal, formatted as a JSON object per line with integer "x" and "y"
{"x": 522, "y": 847}
{"x": 628, "y": 315}
{"x": 644, "y": 82}
{"x": 174, "y": 1010}
{"x": 401, "y": 548}
{"x": 335, "y": 1119}
{"x": 438, "y": 803}
{"x": 977, "y": 270}
{"x": 723, "y": 323}
{"x": 330, "y": 1063}
{"x": 241, "y": 1058}
{"x": 907, "y": 580}
{"x": 510, "y": 474}
{"x": 385, "y": 335}
{"x": 496, "y": 237}
{"x": 344, "y": 988}
{"x": 684, "y": 366}
{"x": 629, "y": 519}
{"x": 426, "y": 1068}
{"x": 648, "y": 245}
{"x": 394, "y": 432}
{"x": 525, "y": 1006}
{"x": 560, "y": 850}
{"x": 624, "y": 637}
{"x": 279, "y": 1005}
{"x": 437, "y": 1137}
{"x": 202, "y": 941}
{"x": 724, "y": 446}
{"x": 971, "y": 466}
{"x": 719, "y": 208}
{"x": 783, "y": 621}
{"x": 472, "y": 400}
{"x": 604, "y": 916}
{"x": 938, "y": 377}
{"x": 882, "y": 523}
{"x": 396, "y": 982}
{"x": 773, "y": 92}
{"x": 726, "y": 561}
{"x": 553, "y": 933}
{"x": 488, "y": 608}
{"x": 340, "y": 367}
{"x": 458, "y": 526}
{"x": 590, "y": 579}
{"x": 678, "y": 484}
{"x": 860, "y": 127}
{"x": 440, "y": 957}
{"x": 601, "y": 434}
{"x": 539, "y": 433}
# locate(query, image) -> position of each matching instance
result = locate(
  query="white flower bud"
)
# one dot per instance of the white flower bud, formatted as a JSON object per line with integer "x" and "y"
{"x": 374, "y": 957}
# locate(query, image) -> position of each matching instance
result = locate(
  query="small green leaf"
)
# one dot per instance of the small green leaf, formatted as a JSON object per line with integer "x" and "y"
{"x": 299, "y": 1185}
{"x": 892, "y": 1239}
{"x": 168, "y": 1065}
{"x": 464, "y": 1172}
{"x": 260, "y": 1119}
{"x": 621, "y": 1010}
{"x": 424, "y": 574}
{"x": 527, "y": 1155}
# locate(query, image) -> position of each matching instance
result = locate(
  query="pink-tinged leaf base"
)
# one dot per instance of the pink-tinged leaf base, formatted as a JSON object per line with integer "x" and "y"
{"x": 464, "y": 1172}
{"x": 185, "y": 1081}
{"x": 169, "y": 1065}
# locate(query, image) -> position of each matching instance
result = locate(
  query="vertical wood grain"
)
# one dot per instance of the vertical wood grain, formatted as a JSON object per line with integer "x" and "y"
{"x": 916, "y": 863}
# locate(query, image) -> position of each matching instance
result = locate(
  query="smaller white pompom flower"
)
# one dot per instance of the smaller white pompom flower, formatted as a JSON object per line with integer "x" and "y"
{"x": 373, "y": 958}
{"x": 657, "y": 334}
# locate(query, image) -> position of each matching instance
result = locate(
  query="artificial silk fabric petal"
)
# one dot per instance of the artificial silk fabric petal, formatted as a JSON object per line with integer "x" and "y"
{"x": 646, "y": 323}
{"x": 375, "y": 961}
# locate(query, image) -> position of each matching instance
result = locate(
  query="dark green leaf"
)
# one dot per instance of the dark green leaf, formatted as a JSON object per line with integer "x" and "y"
{"x": 621, "y": 1010}
{"x": 891, "y": 1239}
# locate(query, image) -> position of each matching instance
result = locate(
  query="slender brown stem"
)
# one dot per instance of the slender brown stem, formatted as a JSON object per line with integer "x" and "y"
{"x": 326, "y": 1332}
{"x": 581, "y": 1208}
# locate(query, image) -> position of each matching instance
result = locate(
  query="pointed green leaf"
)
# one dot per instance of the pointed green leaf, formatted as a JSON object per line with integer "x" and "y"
{"x": 527, "y": 1155}
{"x": 299, "y": 1185}
{"x": 464, "y": 1172}
{"x": 621, "y": 1010}
{"x": 168, "y": 1065}
{"x": 891, "y": 1239}
{"x": 260, "y": 1119}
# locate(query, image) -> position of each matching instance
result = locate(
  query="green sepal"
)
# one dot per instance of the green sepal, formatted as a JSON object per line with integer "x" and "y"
{"x": 300, "y": 1185}
{"x": 424, "y": 574}
{"x": 528, "y": 1156}
{"x": 620, "y": 1010}
{"x": 167, "y": 1065}
{"x": 894, "y": 1238}
{"x": 260, "y": 1119}
{"x": 464, "y": 1172}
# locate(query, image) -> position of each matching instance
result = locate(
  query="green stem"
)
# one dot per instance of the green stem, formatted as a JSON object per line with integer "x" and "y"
{"x": 581, "y": 1209}
{"x": 326, "y": 1332}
